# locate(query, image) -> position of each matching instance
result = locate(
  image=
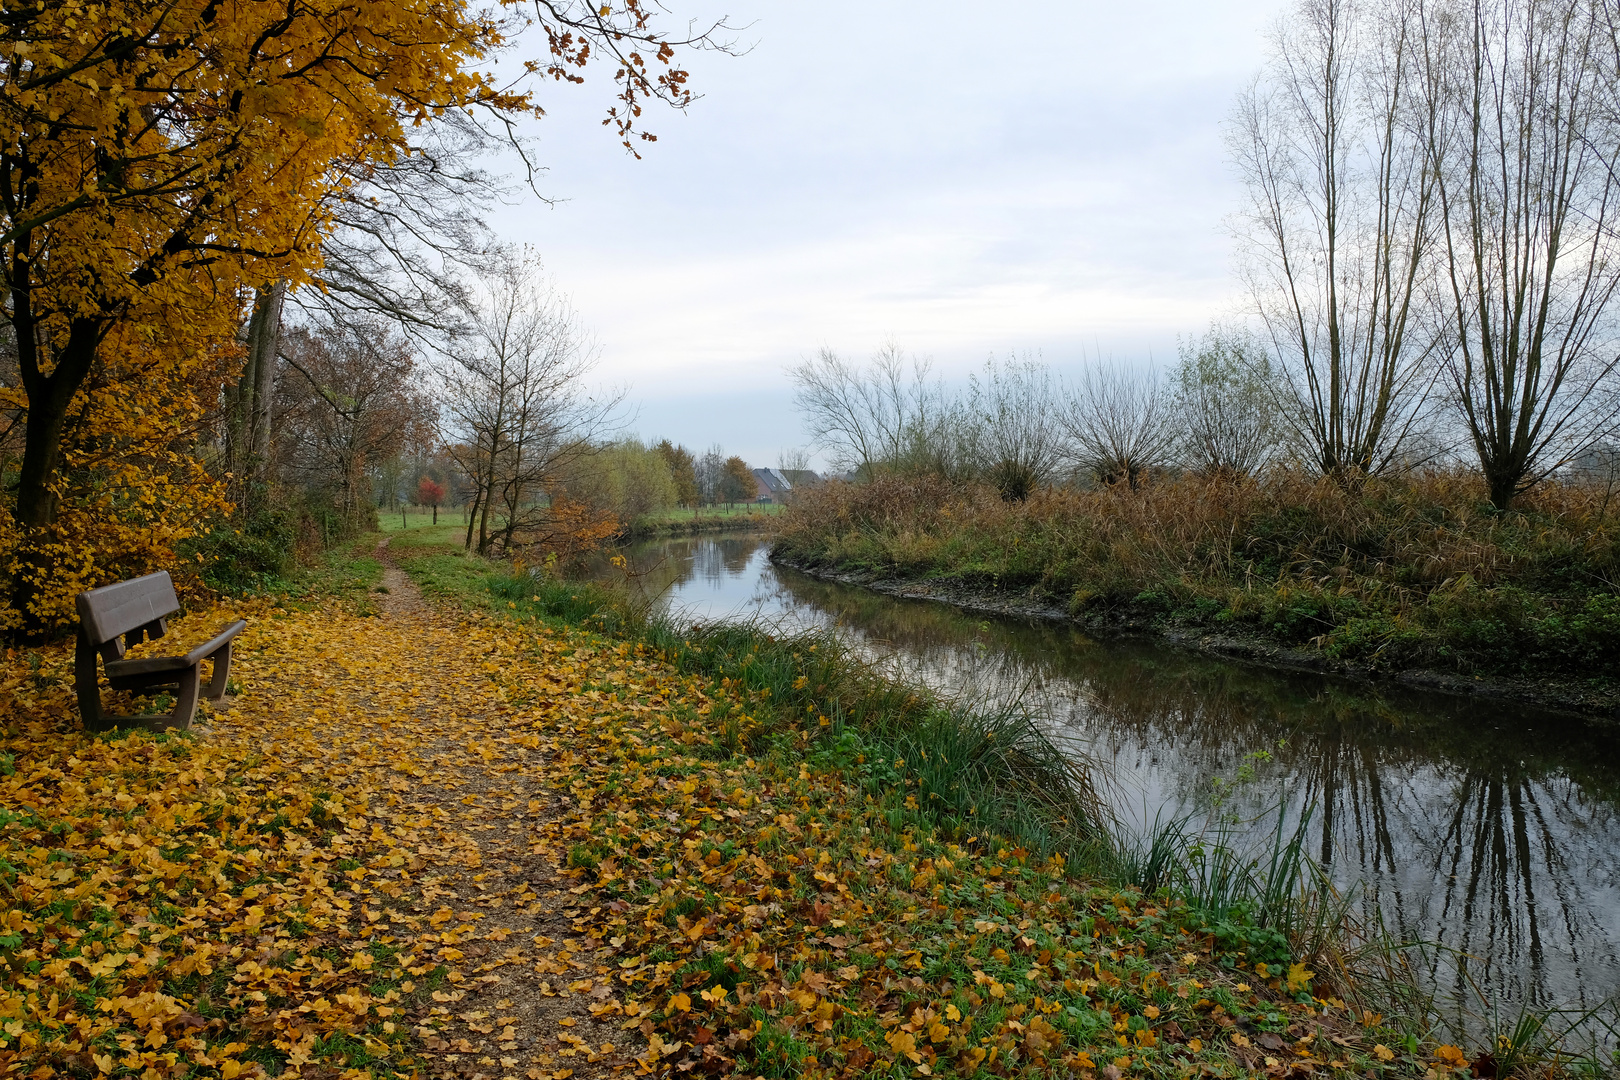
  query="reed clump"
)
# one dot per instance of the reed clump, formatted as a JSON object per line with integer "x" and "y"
{"x": 1416, "y": 570}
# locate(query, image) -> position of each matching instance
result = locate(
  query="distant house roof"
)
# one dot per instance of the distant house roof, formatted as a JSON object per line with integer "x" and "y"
{"x": 801, "y": 477}
{"x": 772, "y": 482}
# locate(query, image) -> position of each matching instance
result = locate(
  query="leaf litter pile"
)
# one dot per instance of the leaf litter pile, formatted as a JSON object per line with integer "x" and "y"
{"x": 453, "y": 844}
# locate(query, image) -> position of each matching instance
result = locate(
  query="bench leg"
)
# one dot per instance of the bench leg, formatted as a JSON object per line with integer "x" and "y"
{"x": 88, "y": 685}
{"x": 222, "y": 672}
{"x": 185, "y": 706}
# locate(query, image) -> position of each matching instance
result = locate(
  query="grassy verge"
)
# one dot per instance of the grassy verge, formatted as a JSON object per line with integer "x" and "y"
{"x": 1409, "y": 573}
{"x": 819, "y": 872}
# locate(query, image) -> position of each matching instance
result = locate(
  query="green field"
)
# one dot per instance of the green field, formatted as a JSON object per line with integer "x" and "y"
{"x": 417, "y": 517}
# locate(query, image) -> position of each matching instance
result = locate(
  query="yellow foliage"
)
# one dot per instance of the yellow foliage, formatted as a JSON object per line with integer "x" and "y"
{"x": 131, "y": 489}
{"x": 1451, "y": 1056}
{"x": 161, "y": 159}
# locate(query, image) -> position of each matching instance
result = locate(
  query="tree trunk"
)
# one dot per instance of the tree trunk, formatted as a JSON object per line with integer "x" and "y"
{"x": 1504, "y": 485}
{"x": 483, "y": 516}
{"x": 248, "y": 438}
{"x": 49, "y": 397}
{"x": 472, "y": 517}
{"x": 267, "y": 313}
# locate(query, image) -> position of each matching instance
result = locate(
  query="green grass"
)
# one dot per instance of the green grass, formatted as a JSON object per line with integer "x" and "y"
{"x": 351, "y": 573}
{"x": 416, "y": 517}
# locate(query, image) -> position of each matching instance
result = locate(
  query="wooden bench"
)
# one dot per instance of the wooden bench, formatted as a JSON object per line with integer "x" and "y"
{"x": 117, "y": 617}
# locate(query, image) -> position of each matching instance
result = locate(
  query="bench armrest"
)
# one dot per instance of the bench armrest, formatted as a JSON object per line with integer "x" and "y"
{"x": 158, "y": 664}
{"x": 219, "y": 641}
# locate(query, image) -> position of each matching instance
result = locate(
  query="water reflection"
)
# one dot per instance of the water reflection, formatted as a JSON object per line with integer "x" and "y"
{"x": 1489, "y": 829}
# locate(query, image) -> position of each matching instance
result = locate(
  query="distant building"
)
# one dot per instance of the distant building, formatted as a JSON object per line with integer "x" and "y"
{"x": 802, "y": 478}
{"x": 1598, "y": 464}
{"x": 777, "y": 485}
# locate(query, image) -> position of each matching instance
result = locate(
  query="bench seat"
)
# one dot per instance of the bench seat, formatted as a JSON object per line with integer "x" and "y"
{"x": 113, "y": 619}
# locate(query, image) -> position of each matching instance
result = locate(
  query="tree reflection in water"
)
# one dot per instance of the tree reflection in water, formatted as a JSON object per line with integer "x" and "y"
{"x": 1490, "y": 830}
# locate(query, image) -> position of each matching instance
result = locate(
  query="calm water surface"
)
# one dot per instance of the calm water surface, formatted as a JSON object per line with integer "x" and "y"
{"x": 1488, "y": 830}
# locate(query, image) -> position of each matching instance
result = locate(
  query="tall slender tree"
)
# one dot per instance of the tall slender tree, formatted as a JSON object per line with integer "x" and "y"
{"x": 516, "y": 399}
{"x": 1523, "y": 141}
{"x": 1337, "y": 232}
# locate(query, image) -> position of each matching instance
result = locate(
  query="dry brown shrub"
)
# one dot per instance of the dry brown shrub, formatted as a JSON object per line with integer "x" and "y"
{"x": 1402, "y": 537}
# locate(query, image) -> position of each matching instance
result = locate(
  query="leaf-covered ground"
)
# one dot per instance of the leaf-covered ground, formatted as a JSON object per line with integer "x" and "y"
{"x": 427, "y": 841}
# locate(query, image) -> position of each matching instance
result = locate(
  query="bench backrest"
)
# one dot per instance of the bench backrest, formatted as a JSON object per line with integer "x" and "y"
{"x": 112, "y": 610}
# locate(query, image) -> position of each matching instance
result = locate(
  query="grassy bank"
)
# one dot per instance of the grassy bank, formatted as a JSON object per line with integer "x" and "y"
{"x": 744, "y": 517}
{"x": 875, "y": 880}
{"x": 1408, "y": 573}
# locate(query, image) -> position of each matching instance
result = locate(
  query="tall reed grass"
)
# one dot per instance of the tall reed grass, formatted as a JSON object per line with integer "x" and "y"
{"x": 1416, "y": 570}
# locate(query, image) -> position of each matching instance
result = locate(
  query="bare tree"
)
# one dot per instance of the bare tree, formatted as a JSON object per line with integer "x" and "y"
{"x": 1523, "y": 139}
{"x": 710, "y": 471}
{"x": 347, "y": 401}
{"x": 1013, "y": 413}
{"x": 1339, "y": 226}
{"x": 407, "y": 233}
{"x": 793, "y": 463}
{"x": 1224, "y": 391}
{"x": 866, "y": 417}
{"x": 791, "y": 459}
{"x": 1120, "y": 424}
{"x": 514, "y": 395}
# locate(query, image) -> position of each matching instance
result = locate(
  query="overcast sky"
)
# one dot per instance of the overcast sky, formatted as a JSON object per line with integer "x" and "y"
{"x": 907, "y": 169}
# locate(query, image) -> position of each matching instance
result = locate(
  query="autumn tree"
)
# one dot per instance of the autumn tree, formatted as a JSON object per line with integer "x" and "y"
{"x": 429, "y": 492}
{"x": 737, "y": 482}
{"x": 683, "y": 470}
{"x": 129, "y": 490}
{"x": 159, "y": 161}
{"x": 347, "y": 397}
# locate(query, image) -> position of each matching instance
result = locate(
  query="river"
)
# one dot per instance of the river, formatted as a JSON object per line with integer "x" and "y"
{"x": 1488, "y": 830}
